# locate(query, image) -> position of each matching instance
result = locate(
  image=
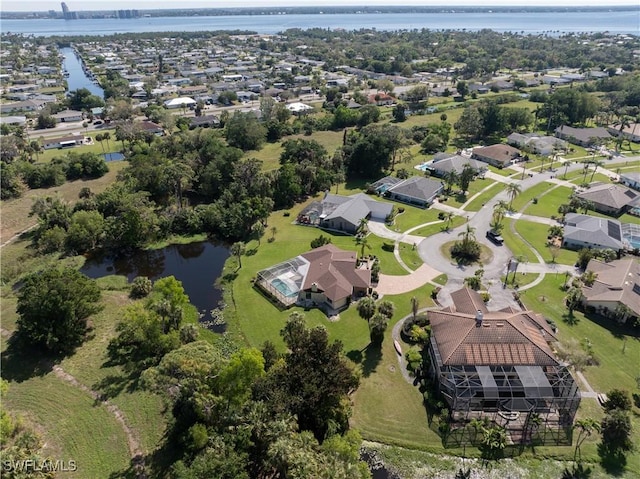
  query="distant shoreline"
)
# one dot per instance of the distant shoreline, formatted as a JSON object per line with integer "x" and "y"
{"x": 325, "y": 10}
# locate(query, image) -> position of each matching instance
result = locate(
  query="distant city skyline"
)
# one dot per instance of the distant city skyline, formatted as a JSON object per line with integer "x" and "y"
{"x": 45, "y": 5}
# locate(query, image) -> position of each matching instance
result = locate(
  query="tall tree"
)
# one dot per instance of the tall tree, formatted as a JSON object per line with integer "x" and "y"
{"x": 53, "y": 307}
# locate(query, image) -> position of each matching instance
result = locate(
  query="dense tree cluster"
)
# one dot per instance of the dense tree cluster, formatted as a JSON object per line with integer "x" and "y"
{"x": 241, "y": 413}
{"x": 53, "y": 307}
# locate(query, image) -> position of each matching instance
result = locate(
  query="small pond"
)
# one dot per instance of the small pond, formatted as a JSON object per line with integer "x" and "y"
{"x": 197, "y": 265}
{"x": 113, "y": 156}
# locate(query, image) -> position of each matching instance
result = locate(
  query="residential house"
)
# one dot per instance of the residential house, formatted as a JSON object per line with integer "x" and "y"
{"x": 381, "y": 99}
{"x": 610, "y": 199}
{"x": 631, "y": 179}
{"x": 443, "y": 164}
{"x": 151, "y": 127}
{"x": 26, "y": 105}
{"x": 205, "y": 121}
{"x": 417, "y": 190}
{"x": 498, "y": 155}
{"x": 584, "y": 231}
{"x": 68, "y": 141}
{"x": 326, "y": 277}
{"x": 499, "y": 366}
{"x": 631, "y": 132}
{"x": 615, "y": 289}
{"x": 13, "y": 120}
{"x": 582, "y": 136}
{"x": 344, "y": 213}
{"x": 68, "y": 116}
{"x": 540, "y": 145}
{"x": 180, "y": 102}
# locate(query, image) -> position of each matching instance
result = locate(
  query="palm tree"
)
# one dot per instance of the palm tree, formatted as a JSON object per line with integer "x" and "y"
{"x": 468, "y": 235}
{"x": 107, "y": 136}
{"x": 450, "y": 179}
{"x": 499, "y": 210}
{"x": 258, "y": 230}
{"x": 596, "y": 163}
{"x": 624, "y": 121}
{"x": 513, "y": 190}
{"x": 363, "y": 228}
{"x": 589, "y": 277}
{"x": 366, "y": 307}
{"x": 238, "y": 249}
{"x": 100, "y": 139}
{"x": 274, "y": 230}
{"x": 377, "y": 326}
{"x": 585, "y": 427}
{"x": 447, "y": 217}
{"x": 363, "y": 243}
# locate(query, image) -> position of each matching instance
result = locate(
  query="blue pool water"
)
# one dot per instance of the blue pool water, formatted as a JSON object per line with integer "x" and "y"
{"x": 283, "y": 288}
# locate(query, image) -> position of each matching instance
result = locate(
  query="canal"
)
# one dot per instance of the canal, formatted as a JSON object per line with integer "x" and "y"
{"x": 197, "y": 265}
{"x": 76, "y": 77}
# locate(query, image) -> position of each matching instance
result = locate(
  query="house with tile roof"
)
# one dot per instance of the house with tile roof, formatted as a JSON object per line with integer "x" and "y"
{"x": 500, "y": 366}
{"x": 498, "y": 155}
{"x": 610, "y": 199}
{"x": 584, "y": 231}
{"x": 617, "y": 283}
{"x": 326, "y": 277}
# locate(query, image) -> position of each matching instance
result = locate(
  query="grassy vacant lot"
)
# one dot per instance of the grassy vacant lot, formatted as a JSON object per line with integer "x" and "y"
{"x": 413, "y": 216}
{"x": 15, "y": 213}
{"x": 536, "y": 235}
{"x": 479, "y": 201}
{"x": 534, "y": 192}
{"x": 548, "y": 203}
{"x": 439, "y": 227}
{"x": 73, "y": 425}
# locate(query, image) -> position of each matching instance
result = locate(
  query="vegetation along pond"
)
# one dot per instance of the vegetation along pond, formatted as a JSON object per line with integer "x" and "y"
{"x": 197, "y": 265}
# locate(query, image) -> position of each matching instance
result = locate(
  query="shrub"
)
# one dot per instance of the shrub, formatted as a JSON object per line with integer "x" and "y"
{"x": 141, "y": 287}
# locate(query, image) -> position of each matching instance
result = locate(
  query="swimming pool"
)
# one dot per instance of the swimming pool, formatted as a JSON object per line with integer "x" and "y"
{"x": 283, "y": 288}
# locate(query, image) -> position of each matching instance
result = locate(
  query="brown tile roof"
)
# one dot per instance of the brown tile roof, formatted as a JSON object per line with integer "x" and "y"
{"x": 499, "y": 153}
{"x": 503, "y": 337}
{"x": 468, "y": 301}
{"x": 334, "y": 272}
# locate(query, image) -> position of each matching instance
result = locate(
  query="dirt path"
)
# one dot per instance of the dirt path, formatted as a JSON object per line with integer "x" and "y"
{"x": 134, "y": 446}
{"x": 135, "y": 451}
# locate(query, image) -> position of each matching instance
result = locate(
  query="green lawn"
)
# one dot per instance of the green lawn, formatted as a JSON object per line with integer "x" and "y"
{"x": 475, "y": 187}
{"x": 386, "y": 407}
{"x": 548, "y": 202}
{"x": 536, "y": 235}
{"x": 616, "y": 349}
{"x": 47, "y": 155}
{"x": 410, "y": 256}
{"x": 72, "y": 426}
{"x": 439, "y": 227}
{"x": 413, "y": 216}
{"x": 534, "y": 192}
{"x": 501, "y": 171}
{"x": 479, "y": 201}
{"x": 256, "y": 319}
{"x": 515, "y": 244}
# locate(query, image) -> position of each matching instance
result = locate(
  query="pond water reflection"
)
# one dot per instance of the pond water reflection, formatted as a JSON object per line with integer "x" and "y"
{"x": 198, "y": 265}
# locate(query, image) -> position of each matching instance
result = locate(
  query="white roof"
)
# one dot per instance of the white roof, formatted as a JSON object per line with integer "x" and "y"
{"x": 298, "y": 107}
{"x": 183, "y": 100}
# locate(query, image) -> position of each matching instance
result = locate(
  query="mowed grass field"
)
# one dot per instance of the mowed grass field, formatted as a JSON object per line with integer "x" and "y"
{"x": 15, "y": 213}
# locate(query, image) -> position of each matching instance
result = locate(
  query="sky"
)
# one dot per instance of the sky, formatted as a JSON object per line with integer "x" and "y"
{"x": 79, "y": 5}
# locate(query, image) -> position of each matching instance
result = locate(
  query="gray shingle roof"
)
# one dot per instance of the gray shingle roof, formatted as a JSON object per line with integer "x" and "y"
{"x": 590, "y": 229}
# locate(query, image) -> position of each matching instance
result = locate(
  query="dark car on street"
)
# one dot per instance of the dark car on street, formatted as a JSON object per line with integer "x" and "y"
{"x": 495, "y": 237}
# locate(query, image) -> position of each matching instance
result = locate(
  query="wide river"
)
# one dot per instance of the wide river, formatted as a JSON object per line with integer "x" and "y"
{"x": 553, "y": 23}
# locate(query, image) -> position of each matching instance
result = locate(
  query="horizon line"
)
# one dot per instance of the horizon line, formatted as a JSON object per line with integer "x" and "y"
{"x": 370, "y": 6}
